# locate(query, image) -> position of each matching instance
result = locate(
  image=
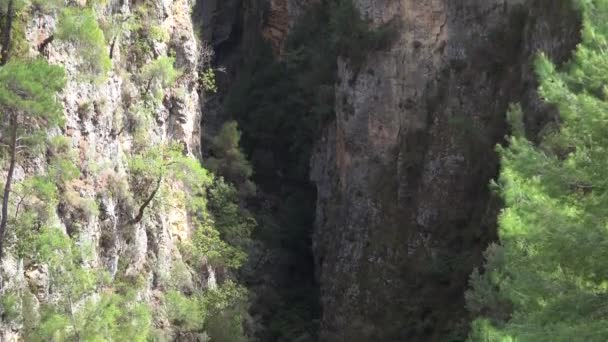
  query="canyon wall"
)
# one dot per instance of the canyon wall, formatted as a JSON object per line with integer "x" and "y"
{"x": 404, "y": 209}
{"x": 402, "y": 172}
{"x": 99, "y": 118}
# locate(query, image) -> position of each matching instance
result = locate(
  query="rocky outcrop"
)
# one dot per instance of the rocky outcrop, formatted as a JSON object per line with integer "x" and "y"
{"x": 96, "y": 115}
{"x": 236, "y": 30}
{"x": 280, "y": 17}
{"x": 404, "y": 210}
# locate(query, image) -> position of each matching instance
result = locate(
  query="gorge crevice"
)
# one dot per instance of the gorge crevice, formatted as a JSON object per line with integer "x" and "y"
{"x": 370, "y": 127}
{"x": 402, "y": 166}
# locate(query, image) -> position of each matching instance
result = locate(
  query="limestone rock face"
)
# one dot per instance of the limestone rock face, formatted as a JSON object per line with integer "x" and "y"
{"x": 280, "y": 17}
{"x": 404, "y": 210}
{"x": 95, "y": 126}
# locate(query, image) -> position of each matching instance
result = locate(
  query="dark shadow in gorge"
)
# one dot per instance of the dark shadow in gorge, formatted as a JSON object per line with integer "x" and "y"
{"x": 273, "y": 115}
{"x": 278, "y": 116}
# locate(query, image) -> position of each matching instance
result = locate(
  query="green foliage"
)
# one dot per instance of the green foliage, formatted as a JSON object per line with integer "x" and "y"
{"x": 207, "y": 80}
{"x": 84, "y": 302}
{"x": 228, "y": 160}
{"x": 548, "y": 270}
{"x": 110, "y": 316}
{"x": 19, "y": 45}
{"x": 80, "y": 27}
{"x": 159, "y": 74}
{"x": 233, "y": 222}
{"x": 169, "y": 162}
{"x": 62, "y": 168}
{"x": 145, "y": 29}
{"x": 185, "y": 313}
{"x": 139, "y": 118}
{"x": 36, "y": 197}
{"x": 9, "y": 307}
{"x": 483, "y": 298}
{"x": 31, "y": 87}
{"x": 227, "y": 309}
{"x": 353, "y": 37}
{"x": 116, "y": 317}
{"x": 207, "y": 244}
{"x": 515, "y": 118}
{"x": 159, "y": 34}
{"x": 217, "y": 311}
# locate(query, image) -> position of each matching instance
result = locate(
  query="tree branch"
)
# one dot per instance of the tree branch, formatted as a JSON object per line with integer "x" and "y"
{"x": 42, "y": 46}
{"x": 6, "y": 30}
{"x": 9, "y": 177}
{"x": 142, "y": 208}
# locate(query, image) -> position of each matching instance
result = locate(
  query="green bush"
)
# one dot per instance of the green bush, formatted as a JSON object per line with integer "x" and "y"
{"x": 207, "y": 244}
{"x": 228, "y": 160}
{"x": 80, "y": 27}
{"x": 159, "y": 75}
{"x": 207, "y": 80}
{"x": 234, "y": 223}
{"x": 547, "y": 281}
{"x": 352, "y": 35}
{"x": 186, "y": 314}
{"x": 75, "y": 314}
{"x": 227, "y": 307}
{"x": 9, "y": 307}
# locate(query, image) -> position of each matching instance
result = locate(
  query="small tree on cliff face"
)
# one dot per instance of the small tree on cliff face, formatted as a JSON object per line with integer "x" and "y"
{"x": 28, "y": 88}
{"x": 28, "y": 107}
{"x": 547, "y": 280}
{"x": 80, "y": 27}
{"x": 229, "y": 161}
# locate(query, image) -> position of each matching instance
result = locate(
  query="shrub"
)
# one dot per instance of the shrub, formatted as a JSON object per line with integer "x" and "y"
{"x": 158, "y": 75}
{"x": 80, "y": 27}
{"x": 234, "y": 223}
{"x": 9, "y": 307}
{"x": 185, "y": 313}
{"x": 227, "y": 306}
{"x": 229, "y": 161}
{"x": 352, "y": 35}
{"x": 207, "y": 244}
{"x": 207, "y": 80}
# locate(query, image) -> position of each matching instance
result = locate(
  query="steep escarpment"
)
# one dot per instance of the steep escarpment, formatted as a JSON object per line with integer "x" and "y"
{"x": 400, "y": 117}
{"x": 111, "y": 227}
{"x": 280, "y": 270}
{"x": 404, "y": 209}
{"x": 369, "y": 127}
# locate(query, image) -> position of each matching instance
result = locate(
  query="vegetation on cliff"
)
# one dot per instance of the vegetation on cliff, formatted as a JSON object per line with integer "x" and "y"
{"x": 545, "y": 280}
{"x": 61, "y": 289}
{"x": 282, "y": 104}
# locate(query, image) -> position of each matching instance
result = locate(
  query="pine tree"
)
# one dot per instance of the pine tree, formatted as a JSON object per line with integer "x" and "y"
{"x": 28, "y": 103}
{"x": 229, "y": 161}
{"x": 79, "y": 26}
{"x": 84, "y": 302}
{"x": 28, "y": 88}
{"x": 546, "y": 280}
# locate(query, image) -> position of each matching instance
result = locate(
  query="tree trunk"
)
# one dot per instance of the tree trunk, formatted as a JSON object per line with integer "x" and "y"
{"x": 9, "y": 178}
{"x": 73, "y": 318}
{"x": 142, "y": 209}
{"x": 6, "y": 33}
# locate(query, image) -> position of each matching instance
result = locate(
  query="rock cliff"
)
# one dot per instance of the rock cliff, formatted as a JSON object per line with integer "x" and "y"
{"x": 403, "y": 207}
{"x": 402, "y": 173}
{"x": 99, "y": 117}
